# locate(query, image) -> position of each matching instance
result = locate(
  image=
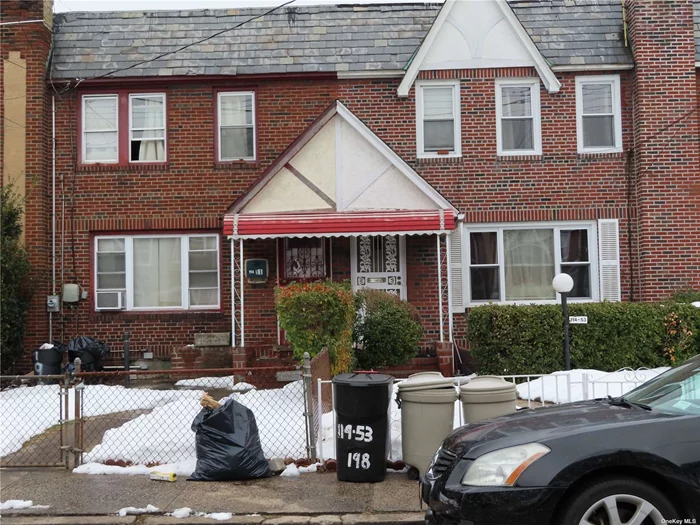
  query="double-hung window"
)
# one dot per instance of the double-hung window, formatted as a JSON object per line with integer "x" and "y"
{"x": 598, "y": 114}
{"x": 123, "y": 128}
{"x": 154, "y": 272}
{"x": 518, "y": 124}
{"x": 236, "y": 129}
{"x": 438, "y": 119}
{"x": 516, "y": 263}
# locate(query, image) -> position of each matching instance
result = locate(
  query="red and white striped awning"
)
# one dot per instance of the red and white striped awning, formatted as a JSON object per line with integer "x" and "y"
{"x": 338, "y": 224}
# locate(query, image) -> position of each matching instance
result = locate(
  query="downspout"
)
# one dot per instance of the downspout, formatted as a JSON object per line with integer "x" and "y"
{"x": 53, "y": 209}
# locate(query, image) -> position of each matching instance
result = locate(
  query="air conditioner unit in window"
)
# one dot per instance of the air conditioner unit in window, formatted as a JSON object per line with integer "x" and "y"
{"x": 110, "y": 300}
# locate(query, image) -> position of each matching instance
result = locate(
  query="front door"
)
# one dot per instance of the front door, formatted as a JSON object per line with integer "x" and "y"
{"x": 379, "y": 262}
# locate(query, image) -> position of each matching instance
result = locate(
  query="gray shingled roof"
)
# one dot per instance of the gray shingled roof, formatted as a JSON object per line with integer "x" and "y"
{"x": 575, "y": 32}
{"x": 696, "y": 20}
{"x": 315, "y": 38}
{"x": 293, "y": 39}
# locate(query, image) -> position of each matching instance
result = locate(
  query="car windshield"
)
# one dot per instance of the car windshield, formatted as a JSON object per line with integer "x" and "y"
{"x": 675, "y": 391}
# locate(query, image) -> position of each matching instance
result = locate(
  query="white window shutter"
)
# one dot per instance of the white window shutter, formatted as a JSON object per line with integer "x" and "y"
{"x": 457, "y": 283}
{"x": 609, "y": 255}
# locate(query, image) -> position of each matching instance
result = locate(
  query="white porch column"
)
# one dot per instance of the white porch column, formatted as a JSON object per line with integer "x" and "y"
{"x": 233, "y": 294}
{"x": 448, "y": 254}
{"x": 242, "y": 274}
{"x": 439, "y": 263}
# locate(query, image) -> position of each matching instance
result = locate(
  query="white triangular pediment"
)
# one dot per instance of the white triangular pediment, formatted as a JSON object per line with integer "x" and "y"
{"x": 342, "y": 167}
{"x": 476, "y": 35}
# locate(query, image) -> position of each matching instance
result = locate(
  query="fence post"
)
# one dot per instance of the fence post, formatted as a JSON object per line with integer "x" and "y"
{"x": 127, "y": 358}
{"x": 584, "y": 386}
{"x": 309, "y": 407}
{"x": 67, "y": 437}
{"x": 78, "y": 420}
{"x": 319, "y": 400}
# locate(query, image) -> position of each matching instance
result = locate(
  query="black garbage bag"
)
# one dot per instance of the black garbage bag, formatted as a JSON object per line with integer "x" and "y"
{"x": 228, "y": 445}
{"x": 89, "y": 350}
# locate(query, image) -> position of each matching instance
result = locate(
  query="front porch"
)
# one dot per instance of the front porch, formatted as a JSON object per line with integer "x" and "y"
{"x": 339, "y": 204}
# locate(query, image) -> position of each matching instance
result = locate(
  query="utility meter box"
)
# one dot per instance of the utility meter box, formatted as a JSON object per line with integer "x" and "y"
{"x": 71, "y": 293}
{"x": 53, "y": 303}
{"x": 256, "y": 270}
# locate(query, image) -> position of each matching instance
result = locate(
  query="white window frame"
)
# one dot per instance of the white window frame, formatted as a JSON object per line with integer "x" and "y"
{"x": 165, "y": 128}
{"x": 219, "y": 127}
{"x": 184, "y": 258}
{"x": 457, "y": 111}
{"x": 557, "y": 226}
{"x": 84, "y": 158}
{"x": 614, "y": 81}
{"x": 534, "y": 85}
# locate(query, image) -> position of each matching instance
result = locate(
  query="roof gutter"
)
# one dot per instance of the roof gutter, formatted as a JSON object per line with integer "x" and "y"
{"x": 597, "y": 67}
{"x": 20, "y": 22}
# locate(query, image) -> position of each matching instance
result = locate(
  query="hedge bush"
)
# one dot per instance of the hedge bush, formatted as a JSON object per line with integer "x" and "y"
{"x": 686, "y": 296}
{"x": 317, "y": 315}
{"x": 508, "y": 339}
{"x": 387, "y": 330}
{"x": 15, "y": 284}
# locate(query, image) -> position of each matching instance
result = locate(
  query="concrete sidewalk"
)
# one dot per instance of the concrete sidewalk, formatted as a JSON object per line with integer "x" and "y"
{"x": 312, "y": 498}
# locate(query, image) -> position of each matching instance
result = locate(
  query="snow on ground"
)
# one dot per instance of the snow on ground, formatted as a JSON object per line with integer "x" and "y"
{"x": 21, "y": 504}
{"x": 186, "y": 512}
{"x": 31, "y": 408}
{"x": 553, "y": 388}
{"x": 133, "y": 510}
{"x": 165, "y": 436}
{"x": 226, "y": 383}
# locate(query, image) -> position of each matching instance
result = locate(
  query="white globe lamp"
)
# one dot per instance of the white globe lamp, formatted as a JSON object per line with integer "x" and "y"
{"x": 563, "y": 284}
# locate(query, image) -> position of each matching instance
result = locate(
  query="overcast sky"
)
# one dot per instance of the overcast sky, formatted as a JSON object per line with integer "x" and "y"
{"x": 62, "y": 6}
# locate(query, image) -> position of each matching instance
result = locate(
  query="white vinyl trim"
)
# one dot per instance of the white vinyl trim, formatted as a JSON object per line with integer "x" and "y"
{"x": 534, "y": 85}
{"x": 614, "y": 82}
{"x": 84, "y": 158}
{"x": 421, "y": 87}
{"x": 164, "y": 127}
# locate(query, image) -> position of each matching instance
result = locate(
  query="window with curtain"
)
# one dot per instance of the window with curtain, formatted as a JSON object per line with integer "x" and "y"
{"x": 438, "y": 119}
{"x": 236, "y": 126}
{"x": 147, "y": 128}
{"x": 123, "y": 128}
{"x": 518, "y": 117}
{"x": 598, "y": 113}
{"x": 518, "y": 264}
{"x": 157, "y": 272}
{"x": 100, "y": 129}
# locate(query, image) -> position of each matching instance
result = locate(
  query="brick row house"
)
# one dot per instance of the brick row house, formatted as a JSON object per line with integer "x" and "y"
{"x": 453, "y": 154}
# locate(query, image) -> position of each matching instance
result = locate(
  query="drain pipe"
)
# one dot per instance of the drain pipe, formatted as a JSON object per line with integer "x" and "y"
{"x": 53, "y": 209}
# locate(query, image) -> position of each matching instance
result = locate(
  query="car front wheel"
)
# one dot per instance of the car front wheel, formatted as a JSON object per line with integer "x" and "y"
{"x": 619, "y": 501}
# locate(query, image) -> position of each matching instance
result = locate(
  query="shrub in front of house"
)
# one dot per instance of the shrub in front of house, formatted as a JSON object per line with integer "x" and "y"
{"x": 15, "y": 282}
{"x": 387, "y": 330}
{"x": 509, "y": 339}
{"x": 686, "y": 296}
{"x": 317, "y": 315}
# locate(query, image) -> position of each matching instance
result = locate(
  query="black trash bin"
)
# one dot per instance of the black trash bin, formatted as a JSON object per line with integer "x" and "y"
{"x": 361, "y": 402}
{"x": 47, "y": 361}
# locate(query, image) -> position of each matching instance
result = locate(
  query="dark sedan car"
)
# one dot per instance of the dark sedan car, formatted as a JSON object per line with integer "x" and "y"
{"x": 631, "y": 460}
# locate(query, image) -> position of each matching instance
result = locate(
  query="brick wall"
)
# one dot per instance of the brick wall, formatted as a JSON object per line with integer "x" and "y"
{"x": 33, "y": 41}
{"x": 192, "y": 191}
{"x": 667, "y": 152}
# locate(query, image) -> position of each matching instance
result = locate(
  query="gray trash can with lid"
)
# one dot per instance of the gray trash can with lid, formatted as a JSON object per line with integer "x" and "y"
{"x": 485, "y": 397}
{"x": 427, "y": 402}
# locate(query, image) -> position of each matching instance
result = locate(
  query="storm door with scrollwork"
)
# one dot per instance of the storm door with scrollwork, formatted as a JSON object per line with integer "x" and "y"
{"x": 303, "y": 259}
{"x": 379, "y": 263}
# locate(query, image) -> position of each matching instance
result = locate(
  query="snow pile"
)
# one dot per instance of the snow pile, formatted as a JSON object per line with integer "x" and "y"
{"x": 553, "y": 388}
{"x": 30, "y": 408}
{"x": 21, "y": 504}
{"x": 164, "y": 435}
{"x": 161, "y": 436}
{"x": 186, "y": 512}
{"x": 150, "y": 509}
{"x": 223, "y": 382}
{"x": 292, "y": 471}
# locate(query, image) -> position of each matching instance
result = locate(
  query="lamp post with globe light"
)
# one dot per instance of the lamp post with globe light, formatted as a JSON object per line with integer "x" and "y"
{"x": 563, "y": 284}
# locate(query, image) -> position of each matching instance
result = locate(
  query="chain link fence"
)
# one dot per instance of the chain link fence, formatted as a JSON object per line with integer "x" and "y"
{"x": 143, "y": 417}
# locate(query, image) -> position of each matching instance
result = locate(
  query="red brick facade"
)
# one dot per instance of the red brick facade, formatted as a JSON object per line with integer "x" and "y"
{"x": 654, "y": 191}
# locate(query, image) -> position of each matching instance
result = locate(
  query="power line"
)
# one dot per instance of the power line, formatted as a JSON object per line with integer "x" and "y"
{"x": 182, "y": 48}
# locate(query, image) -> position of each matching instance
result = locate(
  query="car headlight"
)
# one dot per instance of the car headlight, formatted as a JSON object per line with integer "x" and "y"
{"x": 503, "y": 467}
